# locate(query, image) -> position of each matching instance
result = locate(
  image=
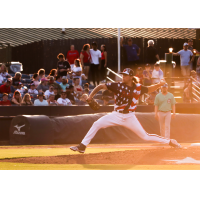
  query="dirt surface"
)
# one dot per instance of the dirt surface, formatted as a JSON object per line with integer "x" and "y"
{"x": 155, "y": 156}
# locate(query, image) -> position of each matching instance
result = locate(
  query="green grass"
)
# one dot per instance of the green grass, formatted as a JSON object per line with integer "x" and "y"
{"x": 17, "y": 153}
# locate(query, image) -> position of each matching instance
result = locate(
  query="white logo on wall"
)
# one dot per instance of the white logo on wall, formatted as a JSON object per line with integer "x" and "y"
{"x": 18, "y": 130}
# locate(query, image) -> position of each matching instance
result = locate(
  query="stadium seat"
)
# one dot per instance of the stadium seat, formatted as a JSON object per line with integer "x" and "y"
{"x": 70, "y": 82}
{"x": 1, "y": 95}
{"x": 10, "y": 95}
{"x": 12, "y": 74}
{"x": 25, "y": 76}
{"x": 91, "y": 87}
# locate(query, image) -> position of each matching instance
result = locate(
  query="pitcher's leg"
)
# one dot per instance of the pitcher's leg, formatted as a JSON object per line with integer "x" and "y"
{"x": 103, "y": 122}
{"x": 133, "y": 124}
{"x": 167, "y": 124}
{"x": 161, "y": 116}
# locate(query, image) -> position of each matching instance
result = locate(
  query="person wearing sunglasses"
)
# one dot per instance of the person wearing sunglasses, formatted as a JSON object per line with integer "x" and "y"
{"x": 132, "y": 54}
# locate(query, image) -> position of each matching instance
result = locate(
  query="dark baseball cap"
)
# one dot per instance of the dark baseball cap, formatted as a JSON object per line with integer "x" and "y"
{"x": 40, "y": 94}
{"x": 127, "y": 71}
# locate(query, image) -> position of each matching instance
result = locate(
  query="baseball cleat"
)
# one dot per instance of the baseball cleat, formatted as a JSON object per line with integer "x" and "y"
{"x": 80, "y": 148}
{"x": 174, "y": 143}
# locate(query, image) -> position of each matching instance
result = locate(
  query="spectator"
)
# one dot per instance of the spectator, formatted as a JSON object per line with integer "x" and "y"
{"x": 185, "y": 60}
{"x": 103, "y": 62}
{"x": 132, "y": 52}
{"x": 40, "y": 101}
{"x": 70, "y": 96}
{"x": 51, "y": 101}
{"x": 43, "y": 86}
{"x": 164, "y": 103}
{"x": 41, "y": 73}
{"x": 4, "y": 72}
{"x": 77, "y": 71}
{"x": 151, "y": 53}
{"x": 20, "y": 89}
{"x": 157, "y": 74}
{"x": 52, "y": 82}
{"x": 53, "y": 73}
{"x": 1, "y": 79}
{"x": 139, "y": 74}
{"x": 63, "y": 66}
{"x": 77, "y": 88}
{"x": 86, "y": 86}
{"x": 190, "y": 47}
{"x": 27, "y": 100}
{"x": 147, "y": 74}
{"x": 16, "y": 79}
{"x": 5, "y": 88}
{"x": 95, "y": 63}
{"x": 48, "y": 92}
{"x": 17, "y": 99}
{"x": 64, "y": 101}
{"x": 5, "y": 101}
{"x": 36, "y": 79}
{"x": 150, "y": 100}
{"x": 64, "y": 83}
{"x": 85, "y": 58}
{"x": 72, "y": 54}
{"x": 55, "y": 91}
{"x": 58, "y": 79}
{"x": 32, "y": 91}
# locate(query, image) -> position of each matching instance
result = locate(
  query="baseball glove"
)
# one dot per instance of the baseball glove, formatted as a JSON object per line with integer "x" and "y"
{"x": 93, "y": 104}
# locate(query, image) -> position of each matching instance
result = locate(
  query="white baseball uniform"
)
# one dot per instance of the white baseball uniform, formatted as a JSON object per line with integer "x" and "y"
{"x": 124, "y": 94}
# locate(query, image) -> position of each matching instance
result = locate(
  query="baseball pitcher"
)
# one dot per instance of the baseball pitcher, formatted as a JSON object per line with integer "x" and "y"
{"x": 127, "y": 94}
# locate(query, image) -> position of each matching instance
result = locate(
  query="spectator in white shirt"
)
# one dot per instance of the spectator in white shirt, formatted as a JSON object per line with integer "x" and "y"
{"x": 185, "y": 55}
{"x": 77, "y": 71}
{"x": 95, "y": 63}
{"x": 4, "y": 72}
{"x": 1, "y": 79}
{"x": 21, "y": 89}
{"x": 157, "y": 74}
{"x": 49, "y": 91}
{"x": 32, "y": 91}
{"x": 40, "y": 101}
{"x": 64, "y": 101}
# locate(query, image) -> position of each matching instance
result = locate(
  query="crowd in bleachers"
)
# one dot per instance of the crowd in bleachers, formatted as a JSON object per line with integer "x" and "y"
{"x": 69, "y": 80}
{"x": 64, "y": 85}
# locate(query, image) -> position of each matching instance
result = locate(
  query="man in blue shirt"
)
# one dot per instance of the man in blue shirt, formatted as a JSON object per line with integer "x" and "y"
{"x": 132, "y": 52}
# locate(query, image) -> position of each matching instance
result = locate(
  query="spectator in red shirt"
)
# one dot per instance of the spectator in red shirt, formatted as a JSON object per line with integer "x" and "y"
{"x": 72, "y": 54}
{"x": 5, "y": 101}
{"x": 5, "y": 88}
{"x": 85, "y": 58}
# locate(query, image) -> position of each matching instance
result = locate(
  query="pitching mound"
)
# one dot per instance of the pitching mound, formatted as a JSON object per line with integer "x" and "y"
{"x": 161, "y": 156}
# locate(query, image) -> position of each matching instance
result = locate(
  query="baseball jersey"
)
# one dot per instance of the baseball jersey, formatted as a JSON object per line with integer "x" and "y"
{"x": 123, "y": 93}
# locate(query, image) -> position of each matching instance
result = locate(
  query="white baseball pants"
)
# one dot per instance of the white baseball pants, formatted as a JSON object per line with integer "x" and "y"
{"x": 129, "y": 121}
{"x": 164, "y": 121}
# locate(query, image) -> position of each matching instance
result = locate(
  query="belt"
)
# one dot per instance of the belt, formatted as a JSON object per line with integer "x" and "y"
{"x": 124, "y": 112}
{"x": 164, "y": 111}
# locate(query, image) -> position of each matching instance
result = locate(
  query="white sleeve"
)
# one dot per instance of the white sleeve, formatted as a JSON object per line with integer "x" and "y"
{"x": 35, "y": 102}
{"x": 46, "y": 103}
{"x": 59, "y": 101}
{"x": 99, "y": 54}
{"x": 46, "y": 92}
{"x": 191, "y": 53}
{"x": 179, "y": 52}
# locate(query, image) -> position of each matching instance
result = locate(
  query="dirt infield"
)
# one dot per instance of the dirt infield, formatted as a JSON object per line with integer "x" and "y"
{"x": 153, "y": 156}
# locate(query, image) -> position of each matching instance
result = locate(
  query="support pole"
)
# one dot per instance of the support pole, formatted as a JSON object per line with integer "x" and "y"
{"x": 119, "y": 50}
